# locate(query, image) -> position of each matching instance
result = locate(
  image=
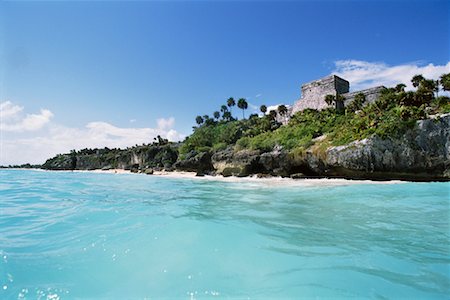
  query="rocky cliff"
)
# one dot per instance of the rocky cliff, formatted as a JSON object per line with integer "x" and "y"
{"x": 135, "y": 158}
{"x": 422, "y": 153}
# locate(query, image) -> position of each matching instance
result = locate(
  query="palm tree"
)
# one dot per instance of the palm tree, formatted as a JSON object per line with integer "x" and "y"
{"x": 437, "y": 83}
{"x": 273, "y": 114}
{"x": 242, "y": 104}
{"x": 223, "y": 108}
{"x": 230, "y": 103}
{"x": 199, "y": 120}
{"x": 263, "y": 109}
{"x": 227, "y": 116}
{"x": 329, "y": 99}
{"x": 416, "y": 80}
{"x": 400, "y": 87}
{"x": 428, "y": 86}
{"x": 282, "y": 110}
{"x": 445, "y": 82}
{"x": 217, "y": 115}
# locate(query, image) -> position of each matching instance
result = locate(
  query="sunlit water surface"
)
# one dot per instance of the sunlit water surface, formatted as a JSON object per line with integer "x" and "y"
{"x": 82, "y": 235}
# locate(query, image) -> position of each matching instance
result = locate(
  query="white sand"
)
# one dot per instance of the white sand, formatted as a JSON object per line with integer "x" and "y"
{"x": 270, "y": 181}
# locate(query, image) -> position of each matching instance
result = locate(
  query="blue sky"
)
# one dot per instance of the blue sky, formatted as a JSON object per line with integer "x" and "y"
{"x": 76, "y": 67}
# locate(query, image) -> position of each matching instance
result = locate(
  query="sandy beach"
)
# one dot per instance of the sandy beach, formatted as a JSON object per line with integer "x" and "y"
{"x": 269, "y": 181}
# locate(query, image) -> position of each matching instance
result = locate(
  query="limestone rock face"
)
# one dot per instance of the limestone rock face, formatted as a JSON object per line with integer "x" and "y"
{"x": 195, "y": 162}
{"x": 241, "y": 163}
{"x": 421, "y": 153}
{"x": 277, "y": 162}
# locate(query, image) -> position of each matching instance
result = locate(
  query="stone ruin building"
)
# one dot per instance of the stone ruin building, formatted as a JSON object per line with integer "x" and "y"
{"x": 314, "y": 92}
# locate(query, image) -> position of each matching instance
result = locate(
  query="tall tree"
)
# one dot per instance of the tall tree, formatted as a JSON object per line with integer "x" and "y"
{"x": 231, "y": 103}
{"x": 263, "y": 109}
{"x": 223, "y": 108}
{"x": 338, "y": 101}
{"x": 242, "y": 104}
{"x": 227, "y": 116}
{"x": 445, "y": 82}
{"x": 199, "y": 120}
{"x": 217, "y": 115}
{"x": 282, "y": 110}
{"x": 426, "y": 89}
{"x": 416, "y": 80}
{"x": 273, "y": 114}
{"x": 329, "y": 99}
{"x": 400, "y": 87}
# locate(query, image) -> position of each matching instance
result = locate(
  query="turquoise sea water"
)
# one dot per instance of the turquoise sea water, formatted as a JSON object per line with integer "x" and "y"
{"x": 84, "y": 235}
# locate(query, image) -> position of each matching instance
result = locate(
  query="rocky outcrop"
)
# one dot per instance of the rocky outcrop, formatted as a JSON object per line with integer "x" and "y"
{"x": 61, "y": 162}
{"x": 195, "y": 162}
{"x": 241, "y": 163}
{"x": 137, "y": 158}
{"x": 421, "y": 153}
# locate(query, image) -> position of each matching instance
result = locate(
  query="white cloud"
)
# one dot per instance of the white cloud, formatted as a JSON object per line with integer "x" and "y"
{"x": 18, "y": 147}
{"x": 165, "y": 123}
{"x": 272, "y": 107}
{"x": 12, "y": 119}
{"x": 9, "y": 110}
{"x": 363, "y": 74}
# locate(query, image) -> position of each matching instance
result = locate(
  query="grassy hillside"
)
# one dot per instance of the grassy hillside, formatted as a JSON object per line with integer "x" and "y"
{"x": 391, "y": 115}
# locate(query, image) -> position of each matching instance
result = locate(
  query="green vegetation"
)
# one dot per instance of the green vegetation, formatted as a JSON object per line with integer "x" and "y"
{"x": 392, "y": 114}
{"x": 242, "y": 104}
{"x": 219, "y": 135}
{"x": 263, "y": 109}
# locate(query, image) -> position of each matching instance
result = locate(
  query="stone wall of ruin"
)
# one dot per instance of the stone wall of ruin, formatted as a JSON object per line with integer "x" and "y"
{"x": 313, "y": 93}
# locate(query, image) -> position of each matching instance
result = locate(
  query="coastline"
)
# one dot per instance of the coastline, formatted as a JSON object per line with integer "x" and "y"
{"x": 268, "y": 181}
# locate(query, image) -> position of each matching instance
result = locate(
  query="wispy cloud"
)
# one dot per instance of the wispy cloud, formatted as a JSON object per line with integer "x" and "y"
{"x": 19, "y": 147}
{"x": 364, "y": 74}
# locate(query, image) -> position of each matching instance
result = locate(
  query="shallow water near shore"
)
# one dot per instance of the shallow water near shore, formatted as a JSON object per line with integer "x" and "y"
{"x": 70, "y": 235}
